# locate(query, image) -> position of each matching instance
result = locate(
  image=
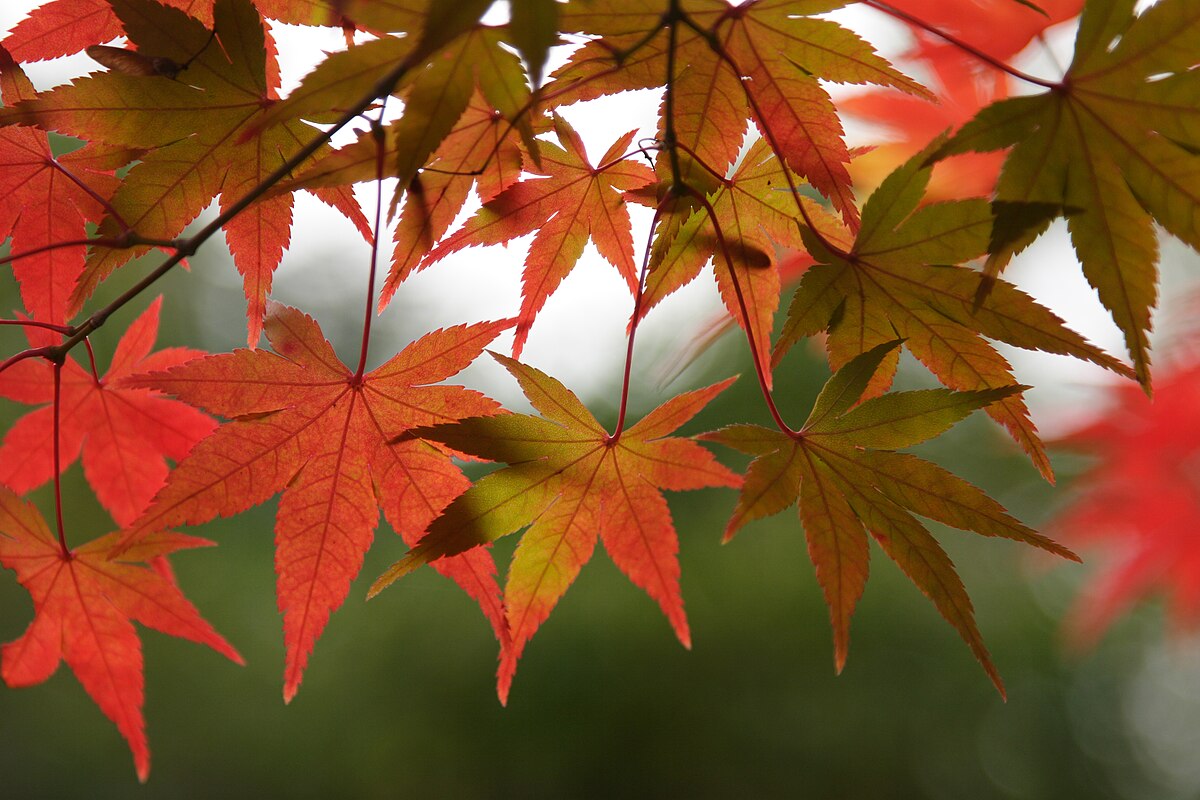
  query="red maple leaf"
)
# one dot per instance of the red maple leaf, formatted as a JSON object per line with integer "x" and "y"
{"x": 125, "y": 434}
{"x": 572, "y": 483}
{"x": 63, "y": 27}
{"x": 1000, "y": 28}
{"x": 306, "y": 425}
{"x": 1138, "y": 506}
{"x": 913, "y": 122}
{"x": 572, "y": 203}
{"x": 195, "y": 153}
{"x": 46, "y": 200}
{"x": 83, "y": 602}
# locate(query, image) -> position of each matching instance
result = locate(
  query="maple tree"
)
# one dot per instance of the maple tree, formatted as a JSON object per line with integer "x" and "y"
{"x": 747, "y": 170}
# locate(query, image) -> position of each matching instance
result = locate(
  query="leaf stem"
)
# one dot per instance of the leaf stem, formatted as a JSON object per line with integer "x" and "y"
{"x": 990, "y": 60}
{"x": 674, "y": 12}
{"x": 755, "y": 355}
{"x": 772, "y": 142}
{"x": 635, "y": 320}
{"x": 130, "y": 239}
{"x": 32, "y": 352}
{"x": 380, "y": 148}
{"x": 58, "y": 513}
{"x": 50, "y": 326}
{"x": 92, "y": 360}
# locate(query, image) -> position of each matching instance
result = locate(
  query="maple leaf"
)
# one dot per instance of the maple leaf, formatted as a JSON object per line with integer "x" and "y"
{"x": 193, "y": 128}
{"x": 571, "y": 482}
{"x": 482, "y": 150}
{"x": 573, "y": 202}
{"x": 534, "y": 32}
{"x": 999, "y": 28}
{"x": 755, "y": 213}
{"x": 1113, "y": 148}
{"x": 1137, "y": 508}
{"x": 304, "y": 424}
{"x": 83, "y": 603}
{"x": 841, "y": 469}
{"x": 436, "y": 95}
{"x": 894, "y": 281}
{"x": 769, "y": 47}
{"x": 782, "y": 55}
{"x": 913, "y": 122}
{"x": 125, "y": 434}
{"x": 63, "y": 27}
{"x": 46, "y": 200}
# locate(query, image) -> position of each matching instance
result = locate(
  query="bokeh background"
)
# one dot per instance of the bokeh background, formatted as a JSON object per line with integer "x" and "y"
{"x": 399, "y": 700}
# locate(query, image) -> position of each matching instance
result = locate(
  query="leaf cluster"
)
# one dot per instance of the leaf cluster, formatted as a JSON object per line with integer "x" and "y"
{"x": 747, "y": 171}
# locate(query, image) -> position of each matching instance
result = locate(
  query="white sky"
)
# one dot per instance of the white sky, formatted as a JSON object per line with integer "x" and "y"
{"x": 580, "y": 335}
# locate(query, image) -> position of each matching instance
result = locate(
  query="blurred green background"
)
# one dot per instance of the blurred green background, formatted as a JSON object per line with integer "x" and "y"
{"x": 399, "y": 700}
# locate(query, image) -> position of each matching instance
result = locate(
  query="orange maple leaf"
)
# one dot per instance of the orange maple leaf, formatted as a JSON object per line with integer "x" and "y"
{"x": 306, "y": 425}
{"x": 83, "y": 602}
{"x": 572, "y": 203}
{"x": 571, "y": 482}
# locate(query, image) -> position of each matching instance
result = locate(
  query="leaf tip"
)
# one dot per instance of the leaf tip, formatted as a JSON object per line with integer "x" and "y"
{"x": 396, "y": 571}
{"x": 504, "y": 674}
{"x": 841, "y": 649}
{"x": 684, "y": 634}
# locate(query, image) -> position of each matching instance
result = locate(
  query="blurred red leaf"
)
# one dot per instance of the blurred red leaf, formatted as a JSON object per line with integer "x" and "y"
{"x": 1138, "y": 507}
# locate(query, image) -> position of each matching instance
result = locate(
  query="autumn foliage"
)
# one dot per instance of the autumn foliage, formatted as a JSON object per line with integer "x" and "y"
{"x": 746, "y": 171}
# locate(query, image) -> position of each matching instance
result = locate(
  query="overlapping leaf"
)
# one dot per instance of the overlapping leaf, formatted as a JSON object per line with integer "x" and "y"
{"x": 304, "y": 424}
{"x": 755, "y": 213}
{"x": 898, "y": 279}
{"x": 772, "y": 48}
{"x": 63, "y": 27}
{"x": 841, "y": 469}
{"x": 1000, "y": 28}
{"x": 573, "y": 202}
{"x": 193, "y": 127}
{"x": 571, "y": 483}
{"x": 482, "y": 151}
{"x": 125, "y": 434}
{"x": 436, "y": 94}
{"x": 1113, "y": 146}
{"x": 84, "y": 605}
{"x": 912, "y": 123}
{"x": 44, "y": 201}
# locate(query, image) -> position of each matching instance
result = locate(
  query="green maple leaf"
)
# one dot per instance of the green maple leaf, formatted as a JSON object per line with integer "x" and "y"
{"x": 572, "y": 483}
{"x": 841, "y": 469}
{"x": 1114, "y": 147}
{"x": 898, "y": 279}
